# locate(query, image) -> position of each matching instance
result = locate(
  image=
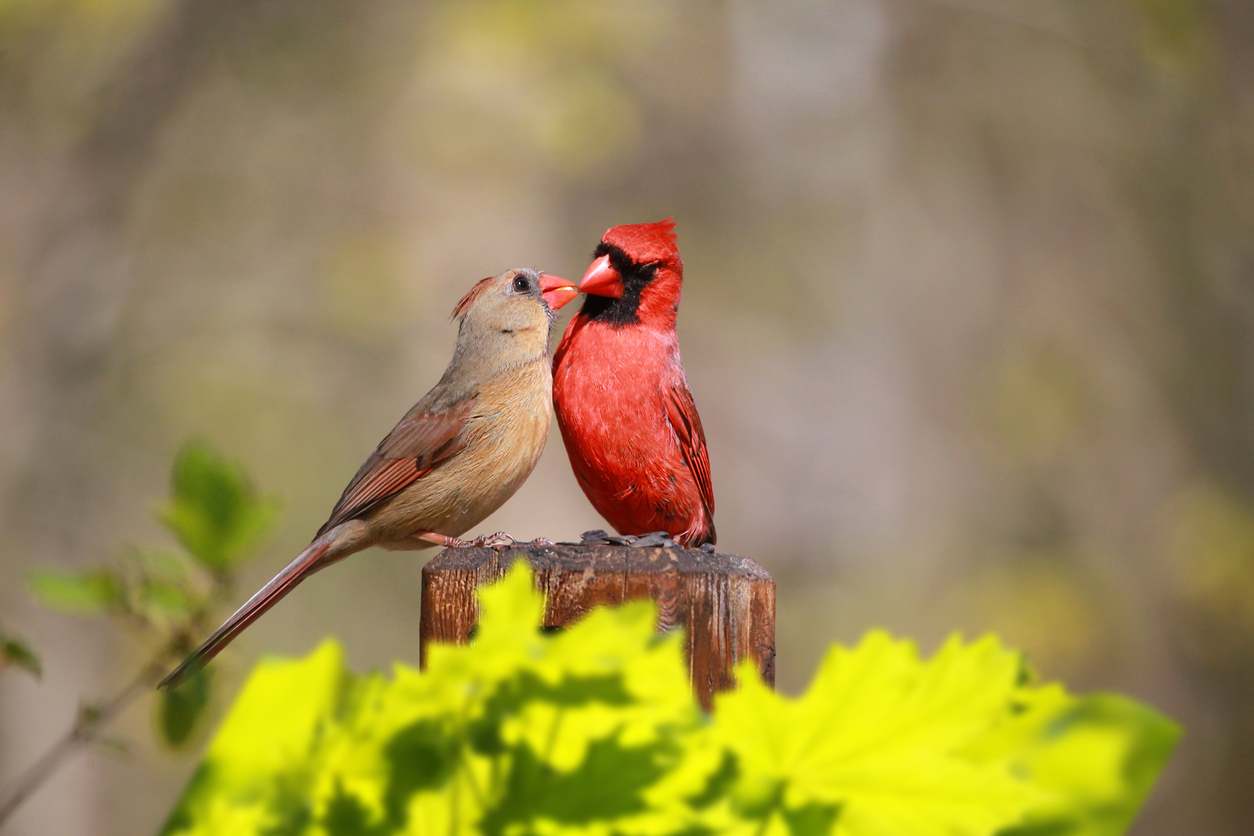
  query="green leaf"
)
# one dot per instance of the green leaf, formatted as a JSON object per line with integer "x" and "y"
{"x": 879, "y": 734}
{"x": 1100, "y": 755}
{"x": 160, "y": 587}
{"x": 257, "y": 767}
{"x": 594, "y": 731}
{"x": 214, "y": 510}
{"x": 610, "y": 783}
{"x": 422, "y": 756}
{"x": 181, "y": 707}
{"x": 89, "y": 592}
{"x": 159, "y": 564}
{"x": 17, "y": 653}
{"x": 163, "y": 603}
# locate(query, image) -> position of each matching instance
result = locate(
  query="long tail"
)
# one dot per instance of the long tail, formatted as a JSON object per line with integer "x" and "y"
{"x": 306, "y": 563}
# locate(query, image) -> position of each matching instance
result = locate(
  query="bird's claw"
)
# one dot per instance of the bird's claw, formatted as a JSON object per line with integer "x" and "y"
{"x": 542, "y": 541}
{"x": 499, "y": 540}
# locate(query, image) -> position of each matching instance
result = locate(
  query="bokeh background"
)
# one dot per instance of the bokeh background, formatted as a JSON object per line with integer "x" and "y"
{"x": 969, "y": 315}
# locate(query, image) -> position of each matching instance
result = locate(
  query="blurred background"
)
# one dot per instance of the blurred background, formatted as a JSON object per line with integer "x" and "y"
{"x": 969, "y": 315}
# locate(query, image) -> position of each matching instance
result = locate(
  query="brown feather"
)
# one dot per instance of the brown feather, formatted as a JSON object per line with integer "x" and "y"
{"x": 417, "y": 444}
{"x": 472, "y": 295}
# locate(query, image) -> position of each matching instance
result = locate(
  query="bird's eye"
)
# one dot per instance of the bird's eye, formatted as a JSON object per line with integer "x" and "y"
{"x": 521, "y": 284}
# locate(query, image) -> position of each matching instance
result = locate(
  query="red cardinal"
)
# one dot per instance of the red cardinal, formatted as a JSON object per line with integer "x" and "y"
{"x": 629, "y": 422}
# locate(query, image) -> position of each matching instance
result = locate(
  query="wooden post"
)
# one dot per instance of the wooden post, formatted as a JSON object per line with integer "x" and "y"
{"x": 725, "y": 602}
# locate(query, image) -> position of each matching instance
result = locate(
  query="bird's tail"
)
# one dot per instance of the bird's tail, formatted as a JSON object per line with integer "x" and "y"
{"x": 306, "y": 563}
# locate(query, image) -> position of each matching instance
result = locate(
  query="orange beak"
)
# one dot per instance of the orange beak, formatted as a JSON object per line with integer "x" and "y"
{"x": 602, "y": 279}
{"x": 556, "y": 291}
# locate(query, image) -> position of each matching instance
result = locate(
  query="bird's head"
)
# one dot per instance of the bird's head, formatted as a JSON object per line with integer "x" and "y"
{"x": 509, "y": 316}
{"x": 636, "y": 275}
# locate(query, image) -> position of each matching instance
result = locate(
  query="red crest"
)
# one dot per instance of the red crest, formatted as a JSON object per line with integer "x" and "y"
{"x": 645, "y": 243}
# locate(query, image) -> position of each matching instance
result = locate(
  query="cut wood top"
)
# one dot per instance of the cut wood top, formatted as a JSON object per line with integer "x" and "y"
{"x": 576, "y": 557}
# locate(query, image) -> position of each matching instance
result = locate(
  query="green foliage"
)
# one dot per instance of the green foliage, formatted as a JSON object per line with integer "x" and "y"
{"x": 89, "y": 592}
{"x": 156, "y": 590}
{"x": 214, "y": 510}
{"x": 16, "y": 653}
{"x": 182, "y": 707}
{"x": 219, "y": 518}
{"x": 879, "y": 737}
{"x": 594, "y": 730}
{"x": 1098, "y": 757}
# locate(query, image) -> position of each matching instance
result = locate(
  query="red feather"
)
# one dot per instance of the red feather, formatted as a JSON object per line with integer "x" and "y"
{"x": 681, "y": 410}
{"x": 645, "y": 242}
{"x": 622, "y": 402}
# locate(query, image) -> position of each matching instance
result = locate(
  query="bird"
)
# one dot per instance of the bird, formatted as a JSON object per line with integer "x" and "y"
{"x": 454, "y": 458}
{"x": 627, "y": 418}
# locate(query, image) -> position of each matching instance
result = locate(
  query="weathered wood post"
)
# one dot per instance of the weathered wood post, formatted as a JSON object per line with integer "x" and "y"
{"x": 725, "y": 602}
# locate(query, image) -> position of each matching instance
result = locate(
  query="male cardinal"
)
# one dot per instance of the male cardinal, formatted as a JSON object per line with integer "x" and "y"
{"x": 628, "y": 420}
{"x": 455, "y": 457}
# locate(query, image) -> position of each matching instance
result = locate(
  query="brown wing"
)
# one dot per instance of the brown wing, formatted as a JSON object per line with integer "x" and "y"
{"x": 414, "y": 446}
{"x": 681, "y": 411}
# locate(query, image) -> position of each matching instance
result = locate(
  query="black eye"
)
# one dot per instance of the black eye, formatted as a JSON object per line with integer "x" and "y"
{"x": 521, "y": 284}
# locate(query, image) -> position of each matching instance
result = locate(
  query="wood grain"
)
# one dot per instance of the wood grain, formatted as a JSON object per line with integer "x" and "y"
{"x": 725, "y": 602}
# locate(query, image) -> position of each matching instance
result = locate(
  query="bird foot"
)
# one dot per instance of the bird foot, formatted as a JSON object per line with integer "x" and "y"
{"x": 445, "y": 540}
{"x": 542, "y": 541}
{"x": 499, "y": 540}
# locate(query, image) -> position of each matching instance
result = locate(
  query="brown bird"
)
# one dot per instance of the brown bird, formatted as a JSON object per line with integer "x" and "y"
{"x": 454, "y": 458}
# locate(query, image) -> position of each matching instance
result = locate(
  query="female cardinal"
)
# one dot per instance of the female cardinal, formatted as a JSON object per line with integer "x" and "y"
{"x": 455, "y": 457}
{"x": 629, "y": 422}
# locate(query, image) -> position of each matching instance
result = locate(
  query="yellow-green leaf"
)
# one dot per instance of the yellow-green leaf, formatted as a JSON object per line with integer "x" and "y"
{"x": 214, "y": 510}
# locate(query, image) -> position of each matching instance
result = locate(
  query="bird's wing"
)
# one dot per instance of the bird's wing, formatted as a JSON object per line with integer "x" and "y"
{"x": 681, "y": 411}
{"x": 417, "y": 444}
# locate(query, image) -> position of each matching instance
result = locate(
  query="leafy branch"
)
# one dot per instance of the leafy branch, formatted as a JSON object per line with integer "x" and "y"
{"x": 166, "y": 596}
{"x": 595, "y": 730}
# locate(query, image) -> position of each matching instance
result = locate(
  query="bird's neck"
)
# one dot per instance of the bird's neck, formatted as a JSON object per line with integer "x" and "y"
{"x": 485, "y": 351}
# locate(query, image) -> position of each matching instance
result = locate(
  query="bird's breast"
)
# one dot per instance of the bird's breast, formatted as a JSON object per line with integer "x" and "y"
{"x": 507, "y": 431}
{"x": 608, "y": 390}
{"x": 505, "y": 435}
{"x": 613, "y": 376}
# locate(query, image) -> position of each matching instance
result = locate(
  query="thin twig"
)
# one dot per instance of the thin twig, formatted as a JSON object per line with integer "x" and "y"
{"x": 86, "y": 730}
{"x": 92, "y": 719}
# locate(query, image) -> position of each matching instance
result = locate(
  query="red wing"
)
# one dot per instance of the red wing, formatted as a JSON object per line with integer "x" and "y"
{"x": 413, "y": 447}
{"x": 681, "y": 411}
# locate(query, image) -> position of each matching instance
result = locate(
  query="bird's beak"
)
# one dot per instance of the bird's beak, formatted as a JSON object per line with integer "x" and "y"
{"x": 557, "y": 292}
{"x": 602, "y": 279}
